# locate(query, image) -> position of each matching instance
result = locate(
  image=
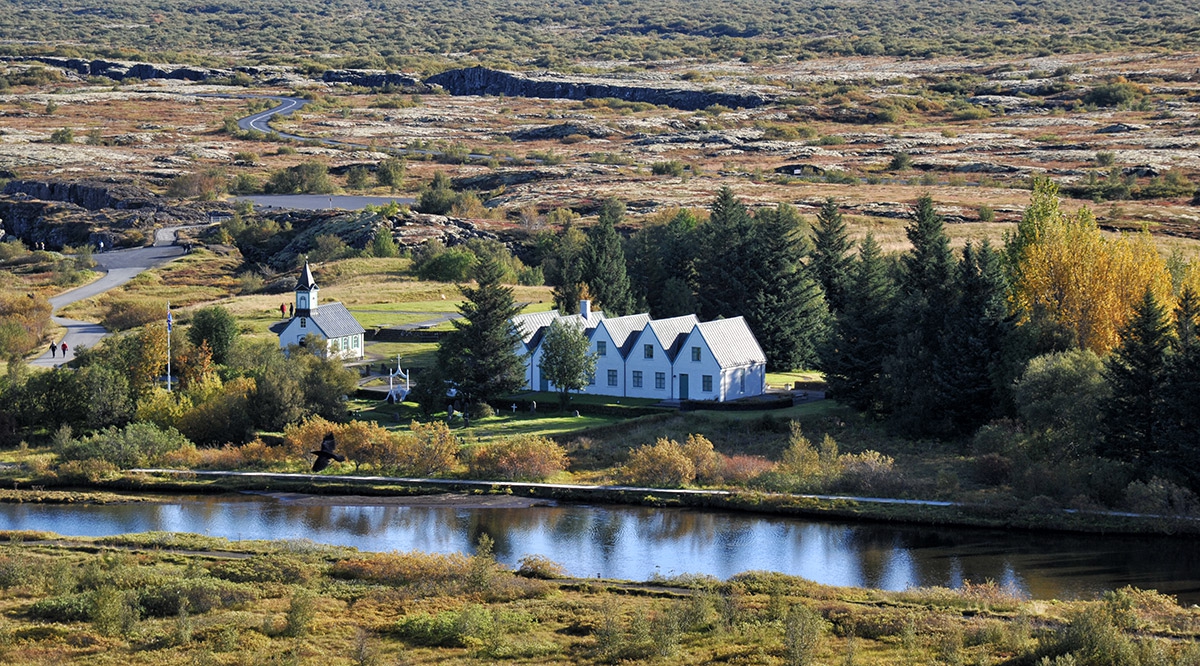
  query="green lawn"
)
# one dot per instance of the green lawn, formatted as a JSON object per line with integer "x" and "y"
{"x": 504, "y": 424}
{"x": 551, "y": 399}
{"x": 808, "y": 379}
{"x": 412, "y": 354}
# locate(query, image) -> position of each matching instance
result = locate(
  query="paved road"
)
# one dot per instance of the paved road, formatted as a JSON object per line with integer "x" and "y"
{"x": 119, "y": 266}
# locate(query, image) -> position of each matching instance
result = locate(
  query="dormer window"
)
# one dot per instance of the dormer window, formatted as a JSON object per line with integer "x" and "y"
{"x": 648, "y": 351}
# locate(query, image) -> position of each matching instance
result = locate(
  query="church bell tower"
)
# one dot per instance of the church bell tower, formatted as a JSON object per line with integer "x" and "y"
{"x": 306, "y": 293}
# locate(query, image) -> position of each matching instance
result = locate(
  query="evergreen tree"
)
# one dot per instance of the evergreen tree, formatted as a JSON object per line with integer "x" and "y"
{"x": 785, "y": 307}
{"x": 604, "y": 262}
{"x": 727, "y": 257}
{"x": 1134, "y": 371}
{"x": 969, "y": 353}
{"x": 926, "y": 296}
{"x": 564, "y": 269}
{"x": 480, "y": 356}
{"x": 862, "y": 333}
{"x": 1179, "y": 410}
{"x": 662, "y": 266}
{"x": 831, "y": 260}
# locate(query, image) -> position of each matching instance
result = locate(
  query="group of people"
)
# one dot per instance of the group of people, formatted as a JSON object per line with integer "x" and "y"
{"x": 289, "y": 308}
{"x": 54, "y": 348}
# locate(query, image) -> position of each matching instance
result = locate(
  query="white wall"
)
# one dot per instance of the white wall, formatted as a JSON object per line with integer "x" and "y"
{"x": 610, "y": 361}
{"x": 648, "y": 366}
{"x": 695, "y": 370}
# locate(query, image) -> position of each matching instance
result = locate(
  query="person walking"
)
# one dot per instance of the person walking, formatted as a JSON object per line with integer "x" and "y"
{"x": 282, "y": 310}
{"x": 52, "y": 349}
{"x": 64, "y": 348}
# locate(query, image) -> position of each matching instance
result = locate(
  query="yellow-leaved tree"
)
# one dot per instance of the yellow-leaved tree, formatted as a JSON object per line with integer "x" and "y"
{"x": 1068, "y": 273}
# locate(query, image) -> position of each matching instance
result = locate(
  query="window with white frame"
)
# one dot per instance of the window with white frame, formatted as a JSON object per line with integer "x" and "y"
{"x": 637, "y": 379}
{"x": 695, "y": 354}
{"x": 706, "y": 383}
{"x": 660, "y": 380}
{"x": 612, "y": 377}
{"x": 601, "y": 348}
{"x": 648, "y": 351}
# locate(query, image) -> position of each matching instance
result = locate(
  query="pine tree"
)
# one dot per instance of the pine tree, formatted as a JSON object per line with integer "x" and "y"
{"x": 1134, "y": 371}
{"x": 1178, "y": 420}
{"x": 480, "y": 356}
{"x": 785, "y": 308}
{"x": 968, "y": 356}
{"x": 831, "y": 260}
{"x": 565, "y": 268}
{"x": 604, "y": 262}
{"x": 862, "y": 333}
{"x": 726, "y": 255}
{"x": 926, "y": 296}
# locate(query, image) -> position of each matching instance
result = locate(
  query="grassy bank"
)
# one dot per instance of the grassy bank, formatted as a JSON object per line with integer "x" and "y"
{"x": 189, "y": 599}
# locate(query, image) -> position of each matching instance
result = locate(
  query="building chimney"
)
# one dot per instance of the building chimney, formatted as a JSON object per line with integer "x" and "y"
{"x": 585, "y": 309}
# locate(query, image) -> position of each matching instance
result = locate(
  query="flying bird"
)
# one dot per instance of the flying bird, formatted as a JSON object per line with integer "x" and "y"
{"x": 326, "y": 454}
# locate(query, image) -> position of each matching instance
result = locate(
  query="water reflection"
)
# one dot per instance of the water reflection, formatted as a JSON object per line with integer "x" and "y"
{"x": 636, "y": 543}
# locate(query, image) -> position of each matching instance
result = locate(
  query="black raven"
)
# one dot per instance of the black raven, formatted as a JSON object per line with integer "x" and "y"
{"x": 326, "y": 454}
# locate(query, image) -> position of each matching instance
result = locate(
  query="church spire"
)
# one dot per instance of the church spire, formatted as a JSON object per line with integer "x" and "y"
{"x": 306, "y": 293}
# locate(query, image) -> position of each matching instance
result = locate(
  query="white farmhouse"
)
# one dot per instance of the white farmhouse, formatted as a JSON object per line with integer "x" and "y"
{"x": 331, "y": 322}
{"x": 680, "y": 358}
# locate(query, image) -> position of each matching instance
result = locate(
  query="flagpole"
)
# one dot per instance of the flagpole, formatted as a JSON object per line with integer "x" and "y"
{"x": 168, "y": 346}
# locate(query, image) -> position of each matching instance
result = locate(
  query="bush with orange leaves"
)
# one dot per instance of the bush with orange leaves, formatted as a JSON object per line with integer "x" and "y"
{"x": 519, "y": 458}
{"x": 403, "y": 568}
{"x": 663, "y": 463}
{"x": 428, "y": 449}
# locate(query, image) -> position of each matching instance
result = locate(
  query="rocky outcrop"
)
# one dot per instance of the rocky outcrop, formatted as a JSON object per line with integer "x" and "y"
{"x": 89, "y": 195}
{"x": 118, "y": 70}
{"x": 562, "y": 131}
{"x": 484, "y": 81}
{"x": 370, "y": 78}
{"x": 61, "y": 213}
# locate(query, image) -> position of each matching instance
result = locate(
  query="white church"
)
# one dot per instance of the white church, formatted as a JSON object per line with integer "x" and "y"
{"x": 680, "y": 358}
{"x": 331, "y": 322}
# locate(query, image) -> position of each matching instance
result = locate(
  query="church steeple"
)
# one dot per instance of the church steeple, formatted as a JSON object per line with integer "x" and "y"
{"x": 306, "y": 293}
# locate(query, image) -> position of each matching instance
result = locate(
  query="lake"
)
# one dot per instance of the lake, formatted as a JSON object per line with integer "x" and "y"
{"x": 638, "y": 543}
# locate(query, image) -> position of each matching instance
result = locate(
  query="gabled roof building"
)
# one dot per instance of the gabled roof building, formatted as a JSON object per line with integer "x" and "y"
{"x": 680, "y": 358}
{"x": 332, "y": 322}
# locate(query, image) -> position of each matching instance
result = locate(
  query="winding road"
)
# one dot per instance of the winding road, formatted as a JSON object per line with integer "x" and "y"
{"x": 119, "y": 266}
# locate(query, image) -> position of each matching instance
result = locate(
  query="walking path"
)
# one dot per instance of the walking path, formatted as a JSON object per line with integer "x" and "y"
{"x": 119, "y": 266}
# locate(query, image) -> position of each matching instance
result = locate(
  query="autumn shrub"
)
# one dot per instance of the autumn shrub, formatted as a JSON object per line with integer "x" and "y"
{"x": 273, "y": 568}
{"x": 540, "y": 566}
{"x": 869, "y": 471}
{"x": 223, "y": 416}
{"x": 706, "y": 462}
{"x": 92, "y": 471}
{"x": 399, "y": 569}
{"x": 741, "y": 468}
{"x": 662, "y": 464}
{"x": 23, "y": 320}
{"x": 429, "y": 449}
{"x": 518, "y": 458}
{"x": 123, "y": 315}
{"x": 255, "y": 454}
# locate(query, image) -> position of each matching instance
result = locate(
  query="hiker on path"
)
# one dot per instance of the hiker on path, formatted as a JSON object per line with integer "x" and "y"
{"x": 282, "y": 310}
{"x": 64, "y": 348}
{"x": 52, "y": 348}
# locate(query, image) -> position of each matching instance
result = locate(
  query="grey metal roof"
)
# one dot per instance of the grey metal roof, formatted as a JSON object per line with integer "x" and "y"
{"x": 528, "y": 325}
{"x": 731, "y": 342}
{"x": 624, "y": 330}
{"x": 335, "y": 320}
{"x": 532, "y": 325}
{"x": 671, "y": 332}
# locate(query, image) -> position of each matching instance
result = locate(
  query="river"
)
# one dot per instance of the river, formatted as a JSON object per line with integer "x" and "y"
{"x": 638, "y": 543}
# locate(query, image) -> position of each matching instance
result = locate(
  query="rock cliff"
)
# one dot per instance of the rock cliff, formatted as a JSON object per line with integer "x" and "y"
{"x": 484, "y": 81}
{"x": 370, "y": 78}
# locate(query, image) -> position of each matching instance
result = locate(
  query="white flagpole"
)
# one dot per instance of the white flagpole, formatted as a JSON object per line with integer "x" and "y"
{"x": 168, "y": 346}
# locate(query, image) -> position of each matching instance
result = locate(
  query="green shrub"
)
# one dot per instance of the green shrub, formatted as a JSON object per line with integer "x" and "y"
{"x": 63, "y": 608}
{"x": 668, "y": 168}
{"x": 134, "y": 445}
{"x": 64, "y": 135}
{"x": 196, "y": 595}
